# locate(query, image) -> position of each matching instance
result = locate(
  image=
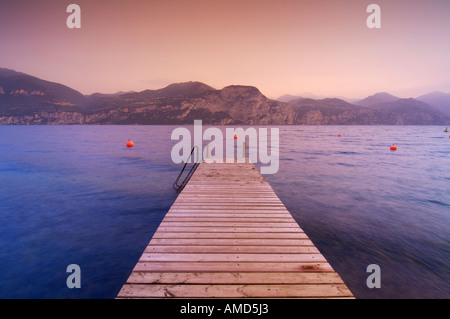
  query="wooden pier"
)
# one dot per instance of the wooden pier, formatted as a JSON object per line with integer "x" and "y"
{"x": 228, "y": 235}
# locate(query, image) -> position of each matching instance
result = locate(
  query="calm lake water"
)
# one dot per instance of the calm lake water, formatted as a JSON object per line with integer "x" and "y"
{"x": 77, "y": 195}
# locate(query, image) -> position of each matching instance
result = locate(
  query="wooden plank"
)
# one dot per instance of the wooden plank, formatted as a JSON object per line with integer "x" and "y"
{"x": 223, "y": 196}
{"x": 231, "y": 188}
{"x": 267, "y": 220}
{"x": 235, "y": 291}
{"x": 233, "y": 249}
{"x": 228, "y": 211}
{"x": 212, "y": 229}
{"x": 226, "y": 201}
{"x": 234, "y": 278}
{"x": 233, "y": 257}
{"x": 233, "y": 242}
{"x": 261, "y": 217}
{"x": 244, "y": 198}
{"x": 209, "y": 266}
{"x": 256, "y": 204}
{"x": 247, "y": 198}
{"x": 230, "y": 235}
{"x": 183, "y": 219}
{"x": 231, "y": 207}
{"x": 228, "y": 224}
{"x": 235, "y": 189}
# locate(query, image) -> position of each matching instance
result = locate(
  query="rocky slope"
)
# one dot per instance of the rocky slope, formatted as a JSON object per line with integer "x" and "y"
{"x": 179, "y": 103}
{"x": 26, "y": 100}
{"x": 22, "y": 94}
{"x": 338, "y": 112}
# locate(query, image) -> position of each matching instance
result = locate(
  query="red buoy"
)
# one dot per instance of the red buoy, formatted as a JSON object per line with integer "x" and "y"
{"x": 235, "y": 137}
{"x": 130, "y": 143}
{"x": 339, "y": 135}
{"x": 393, "y": 148}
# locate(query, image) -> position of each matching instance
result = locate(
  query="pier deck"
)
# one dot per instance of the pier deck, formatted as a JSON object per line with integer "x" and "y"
{"x": 228, "y": 235}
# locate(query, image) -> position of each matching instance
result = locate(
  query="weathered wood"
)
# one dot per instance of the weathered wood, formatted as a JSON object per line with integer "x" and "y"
{"x": 234, "y": 278}
{"x": 226, "y": 218}
{"x": 265, "y": 268}
{"x": 211, "y": 229}
{"x": 231, "y": 242}
{"x": 235, "y": 257}
{"x": 261, "y": 217}
{"x": 228, "y": 235}
{"x": 235, "y": 291}
{"x": 233, "y": 249}
{"x": 229, "y": 211}
{"x": 225, "y": 224}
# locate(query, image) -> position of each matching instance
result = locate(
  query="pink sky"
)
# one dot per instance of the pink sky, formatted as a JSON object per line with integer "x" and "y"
{"x": 284, "y": 46}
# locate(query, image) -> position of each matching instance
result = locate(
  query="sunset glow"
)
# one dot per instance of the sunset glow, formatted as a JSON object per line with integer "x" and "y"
{"x": 287, "y": 46}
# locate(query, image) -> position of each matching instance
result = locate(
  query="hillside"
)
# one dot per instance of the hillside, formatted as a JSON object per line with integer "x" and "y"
{"x": 397, "y": 112}
{"x": 231, "y": 105}
{"x": 377, "y": 100}
{"x": 409, "y": 112}
{"x": 439, "y": 100}
{"x": 27, "y": 100}
{"x": 330, "y": 111}
{"x": 22, "y": 94}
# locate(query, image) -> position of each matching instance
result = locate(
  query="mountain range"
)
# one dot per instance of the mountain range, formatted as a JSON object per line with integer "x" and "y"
{"x": 27, "y": 100}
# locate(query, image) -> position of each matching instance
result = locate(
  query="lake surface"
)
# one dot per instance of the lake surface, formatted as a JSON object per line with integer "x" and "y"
{"x": 78, "y": 195}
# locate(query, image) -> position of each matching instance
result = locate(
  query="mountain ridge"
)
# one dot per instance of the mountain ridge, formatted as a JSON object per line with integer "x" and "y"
{"x": 19, "y": 92}
{"x": 437, "y": 99}
{"x": 27, "y": 100}
{"x": 373, "y": 101}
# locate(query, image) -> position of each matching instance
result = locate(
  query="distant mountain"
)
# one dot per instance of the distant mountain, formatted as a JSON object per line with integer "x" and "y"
{"x": 21, "y": 94}
{"x": 179, "y": 103}
{"x": 327, "y": 105}
{"x": 90, "y": 101}
{"x": 410, "y": 112}
{"x": 330, "y": 111}
{"x": 186, "y": 89}
{"x": 231, "y": 105}
{"x": 439, "y": 100}
{"x": 374, "y": 101}
{"x": 172, "y": 94}
{"x": 397, "y": 112}
{"x": 25, "y": 99}
{"x": 288, "y": 98}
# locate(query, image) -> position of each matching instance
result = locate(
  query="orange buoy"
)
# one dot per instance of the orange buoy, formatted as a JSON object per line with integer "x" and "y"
{"x": 339, "y": 135}
{"x": 235, "y": 137}
{"x": 393, "y": 148}
{"x": 130, "y": 143}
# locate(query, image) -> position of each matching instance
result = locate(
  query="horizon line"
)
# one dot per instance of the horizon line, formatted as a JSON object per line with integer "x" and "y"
{"x": 306, "y": 95}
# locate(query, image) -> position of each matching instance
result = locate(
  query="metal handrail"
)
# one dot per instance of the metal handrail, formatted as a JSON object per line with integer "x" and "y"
{"x": 180, "y": 187}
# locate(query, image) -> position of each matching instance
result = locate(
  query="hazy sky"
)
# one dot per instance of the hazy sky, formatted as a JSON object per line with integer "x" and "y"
{"x": 279, "y": 46}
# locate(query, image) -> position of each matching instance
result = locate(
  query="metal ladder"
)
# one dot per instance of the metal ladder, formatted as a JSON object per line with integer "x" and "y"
{"x": 180, "y": 187}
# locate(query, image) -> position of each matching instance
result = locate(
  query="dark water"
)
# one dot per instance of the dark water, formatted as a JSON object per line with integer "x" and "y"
{"x": 77, "y": 195}
{"x": 363, "y": 204}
